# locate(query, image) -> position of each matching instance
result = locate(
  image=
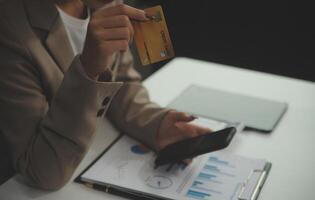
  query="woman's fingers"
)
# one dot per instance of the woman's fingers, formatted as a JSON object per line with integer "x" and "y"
{"x": 115, "y": 45}
{"x": 132, "y": 13}
{"x": 115, "y": 34}
{"x": 186, "y": 130}
{"x": 109, "y": 31}
{"x": 202, "y": 130}
{"x": 119, "y": 21}
{"x": 183, "y": 117}
{"x": 189, "y": 130}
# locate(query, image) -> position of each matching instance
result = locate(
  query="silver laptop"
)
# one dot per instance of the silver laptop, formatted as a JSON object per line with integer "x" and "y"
{"x": 256, "y": 113}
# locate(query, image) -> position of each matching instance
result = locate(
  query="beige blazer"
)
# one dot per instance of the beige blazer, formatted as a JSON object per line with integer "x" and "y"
{"x": 48, "y": 108}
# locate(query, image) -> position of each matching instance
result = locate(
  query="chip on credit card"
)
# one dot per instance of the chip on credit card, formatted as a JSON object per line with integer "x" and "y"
{"x": 152, "y": 37}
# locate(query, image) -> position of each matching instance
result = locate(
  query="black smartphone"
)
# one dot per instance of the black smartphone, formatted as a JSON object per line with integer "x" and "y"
{"x": 195, "y": 146}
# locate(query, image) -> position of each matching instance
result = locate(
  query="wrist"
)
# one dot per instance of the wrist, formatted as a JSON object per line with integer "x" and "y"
{"x": 160, "y": 130}
{"x": 92, "y": 75}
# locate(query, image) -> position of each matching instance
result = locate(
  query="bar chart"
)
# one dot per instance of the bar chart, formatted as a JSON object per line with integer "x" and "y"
{"x": 210, "y": 179}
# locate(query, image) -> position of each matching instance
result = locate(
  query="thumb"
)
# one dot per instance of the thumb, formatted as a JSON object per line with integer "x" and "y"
{"x": 184, "y": 117}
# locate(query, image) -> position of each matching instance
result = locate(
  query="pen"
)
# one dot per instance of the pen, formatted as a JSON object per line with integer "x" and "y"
{"x": 170, "y": 167}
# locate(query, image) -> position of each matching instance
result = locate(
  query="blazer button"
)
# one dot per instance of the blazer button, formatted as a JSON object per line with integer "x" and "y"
{"x": 106, "y": 101}
{"x": 100, "y": 112}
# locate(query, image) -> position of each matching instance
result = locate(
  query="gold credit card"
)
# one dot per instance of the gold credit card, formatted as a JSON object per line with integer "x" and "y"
{"x": 152, "y": 37}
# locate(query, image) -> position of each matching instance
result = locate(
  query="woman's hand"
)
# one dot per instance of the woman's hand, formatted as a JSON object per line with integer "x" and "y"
{"x": 175, "y": 127}
{"x": 109, "y": 31}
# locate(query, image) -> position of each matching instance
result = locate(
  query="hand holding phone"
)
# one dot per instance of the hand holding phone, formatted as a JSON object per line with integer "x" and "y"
{"x": 195, "y": 146}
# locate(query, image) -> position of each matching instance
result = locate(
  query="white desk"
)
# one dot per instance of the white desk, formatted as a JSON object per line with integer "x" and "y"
{"x": 290, "y": 147}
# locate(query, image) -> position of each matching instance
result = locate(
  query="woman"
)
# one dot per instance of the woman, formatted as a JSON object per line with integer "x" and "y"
{"x": 61, "y": 67}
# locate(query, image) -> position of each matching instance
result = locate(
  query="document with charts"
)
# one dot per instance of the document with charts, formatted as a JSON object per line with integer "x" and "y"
{"x": 129, "y": 167}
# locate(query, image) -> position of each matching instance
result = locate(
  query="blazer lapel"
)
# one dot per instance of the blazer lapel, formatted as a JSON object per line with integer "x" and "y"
{"x": 44, "y": 15}
{"x": 59, "y": 45}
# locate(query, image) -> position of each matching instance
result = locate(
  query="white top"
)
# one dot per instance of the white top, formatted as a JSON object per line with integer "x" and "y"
{"x": 76, "y": 30}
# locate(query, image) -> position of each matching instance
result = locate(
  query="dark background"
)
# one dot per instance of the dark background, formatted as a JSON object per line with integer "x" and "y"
{"x": 276, "y": 37}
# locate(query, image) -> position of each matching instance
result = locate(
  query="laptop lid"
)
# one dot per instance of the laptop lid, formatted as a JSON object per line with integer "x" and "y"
{"x": 256, "y": 113}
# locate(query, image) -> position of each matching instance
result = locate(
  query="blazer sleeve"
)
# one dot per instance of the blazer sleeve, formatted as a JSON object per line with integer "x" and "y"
{"x": 46, "y": 140}
{"x": 131, "y": 109}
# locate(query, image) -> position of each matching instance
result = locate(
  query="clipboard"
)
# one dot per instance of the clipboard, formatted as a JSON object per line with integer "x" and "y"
{"x": 254, "y": 183}
{"x": 249, "y": 189}
{"x": 112, "y": 189}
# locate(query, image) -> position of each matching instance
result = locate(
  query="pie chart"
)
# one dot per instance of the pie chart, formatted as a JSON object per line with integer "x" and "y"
{"x": 159, "y": 182}
{"x": 139, "y": 149}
